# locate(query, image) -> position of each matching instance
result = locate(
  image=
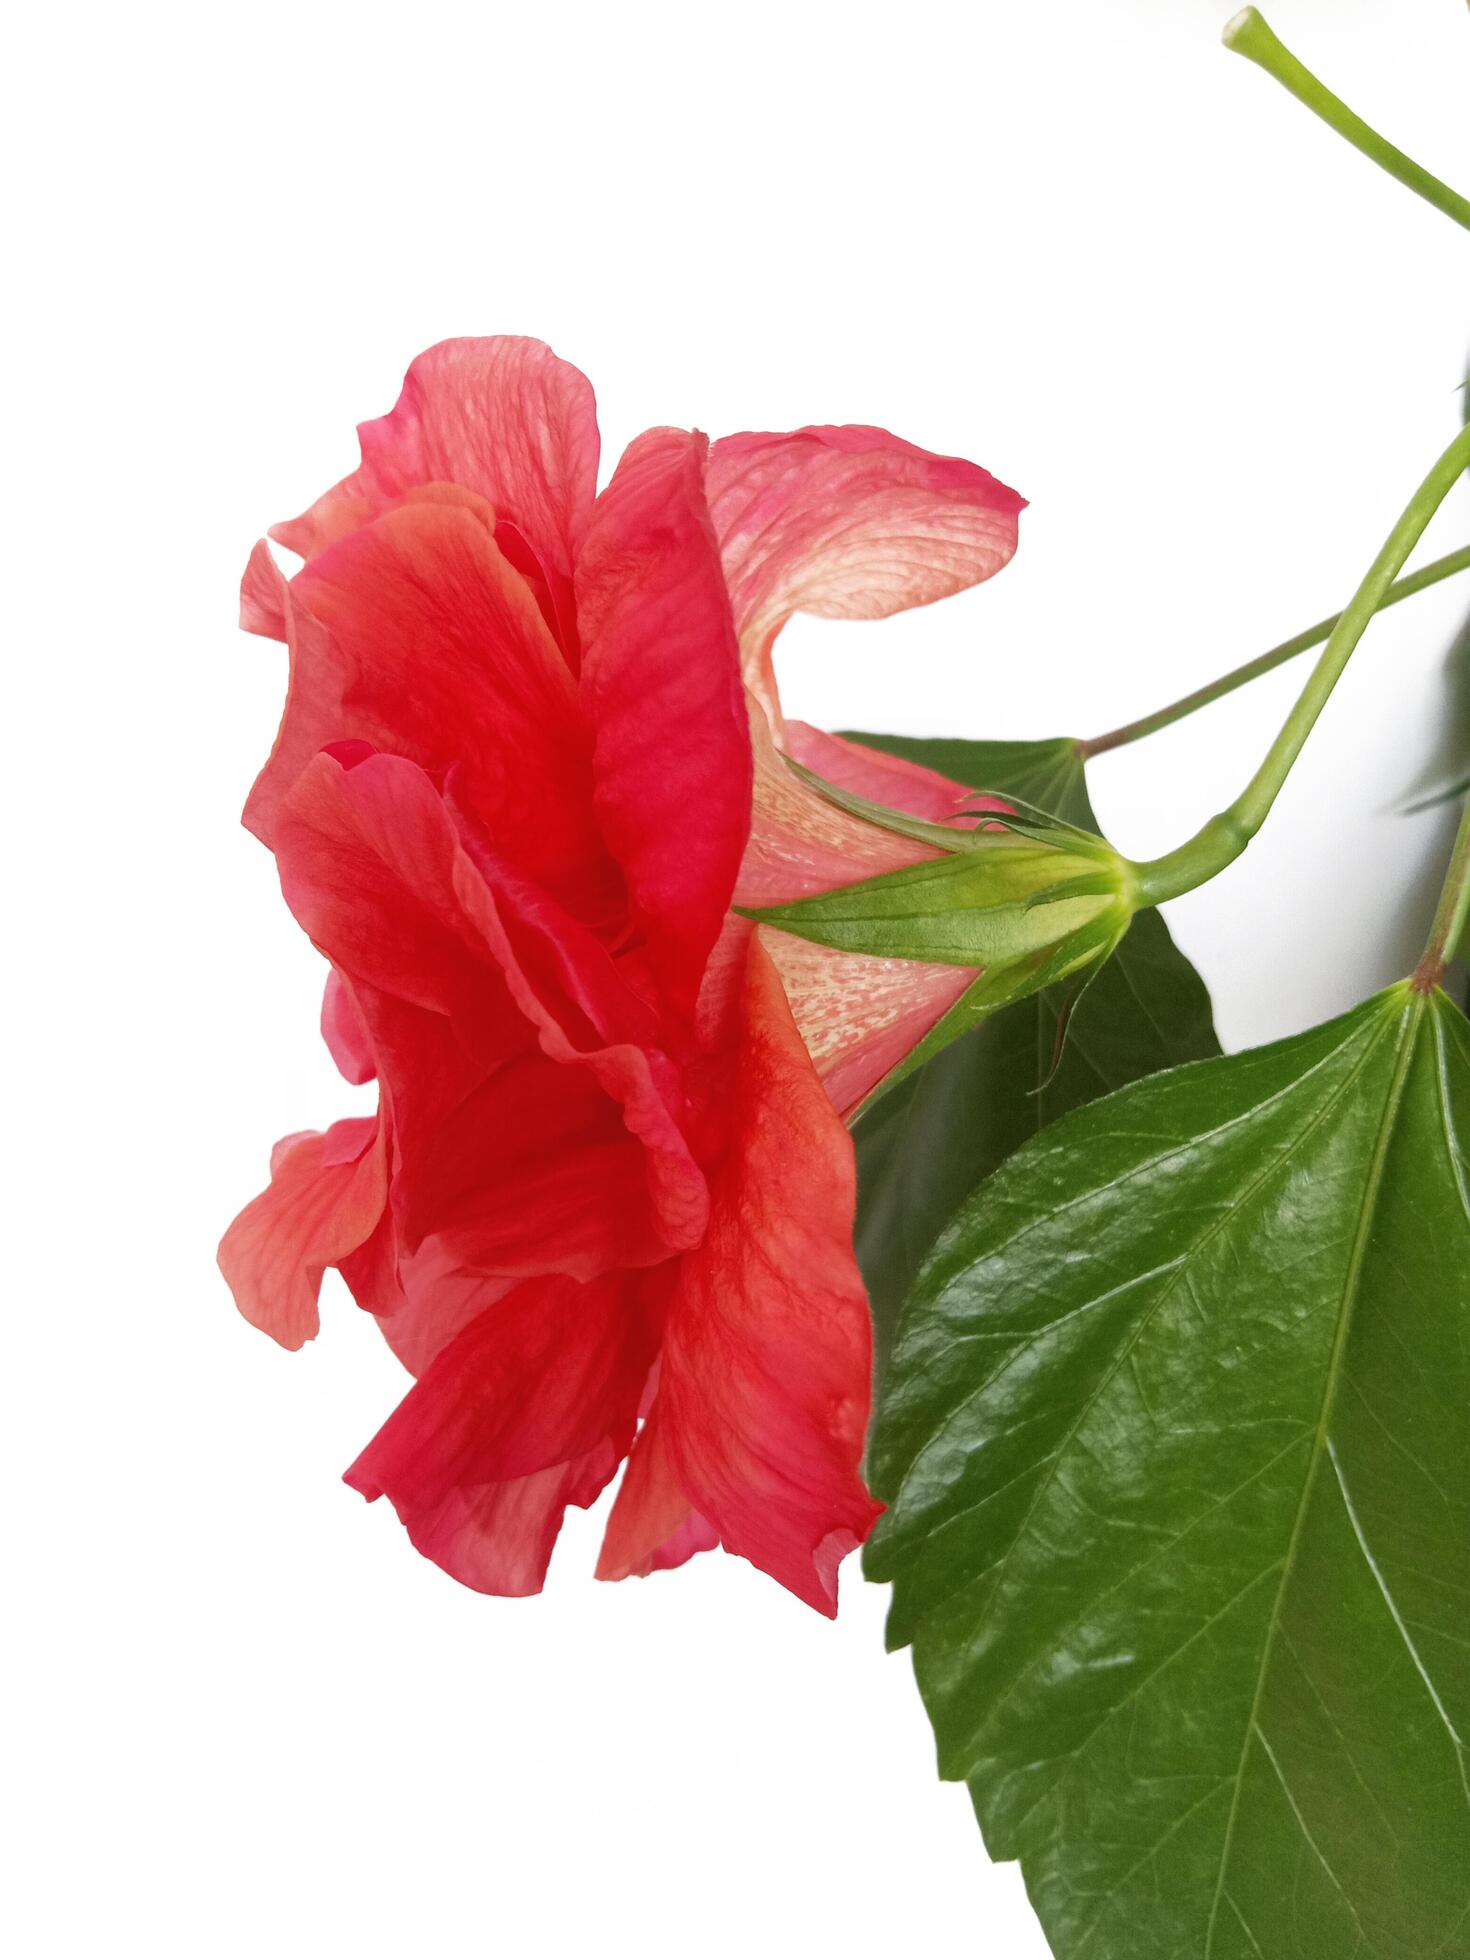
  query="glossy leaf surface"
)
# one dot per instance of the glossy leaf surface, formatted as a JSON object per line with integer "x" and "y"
{"x": 1176, "y": 1444}
{"x": 926, "y": 1143}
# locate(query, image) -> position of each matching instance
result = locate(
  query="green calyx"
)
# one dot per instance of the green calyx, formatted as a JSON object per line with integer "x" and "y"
{"x": 1026, "y": 901}
{"x": 1008, "y": 903}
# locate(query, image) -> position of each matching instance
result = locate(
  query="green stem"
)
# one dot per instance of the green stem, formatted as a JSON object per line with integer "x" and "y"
{"x": 1224, "y": 837}
{"x": 1404, "y": 588}
{"x": 1250, "y": 35}
{"x": 1451, "y": 914}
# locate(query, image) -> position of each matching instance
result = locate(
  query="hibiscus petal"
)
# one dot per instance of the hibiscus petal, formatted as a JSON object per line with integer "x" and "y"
{"x": 416, "y": 636}
{"x": 529, "y": 1128}
{"x": 801, "y": 843}
{"x": 498, "y": 1538}
{"x": 501, "y": 416}
{"x": 860, "y": 1017}
{"x": 435, "y": 1297}
{"x": 847, "y": 523}
{"x": 530, "y": 1408}
{"x": 369, "y": 864}
{"x": 324, "y": 1199}
{"x": 661, "y": 677}
{"x": 537, "y": 1172}
{"x": 653, "y": 1526}
{"x": 371, "y": 1272}
{"x": 348, "y": 1041}
{"x": 420, "y": 1299}
{"x": 764, "y": 1380}
{"x": 263, "y": 595}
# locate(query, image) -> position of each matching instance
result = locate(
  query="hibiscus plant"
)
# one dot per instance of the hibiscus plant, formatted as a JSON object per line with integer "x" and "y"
{"x": 825, "y": 1132}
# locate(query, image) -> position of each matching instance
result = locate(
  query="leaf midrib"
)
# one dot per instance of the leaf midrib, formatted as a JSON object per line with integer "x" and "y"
{"x": 1409, "y": 1029}
{"x": 1217, "y": 1226}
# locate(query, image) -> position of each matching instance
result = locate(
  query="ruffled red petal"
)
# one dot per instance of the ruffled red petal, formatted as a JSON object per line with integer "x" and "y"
{"x": 661, "y": 682}
{"x": 416, "y": 636}
{"x": 324, "y": 1199}
{"x": 652, "y": 1526}
{"x": 764, "y": 1382}
{"x": 263, "y": 595}
{"x": 348, "y": 1042}
{"x": 530, "y": 1408}
{"x": 502, "y": 416}
{"x": 533, "y": 1128}
{"x": 847, "y": 523}
{"x": 434, "y": 1296}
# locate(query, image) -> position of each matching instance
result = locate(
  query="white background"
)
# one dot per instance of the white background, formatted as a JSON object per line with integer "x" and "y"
{"x": 1073, "y": 240}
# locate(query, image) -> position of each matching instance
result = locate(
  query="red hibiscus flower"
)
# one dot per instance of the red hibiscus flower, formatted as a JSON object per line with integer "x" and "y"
{"x": 528, "y": 760}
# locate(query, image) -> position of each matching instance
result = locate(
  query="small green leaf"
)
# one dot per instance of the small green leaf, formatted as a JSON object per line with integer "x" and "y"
{"x": 925, "y": 1144}
{"x": 1176, "y": 1445}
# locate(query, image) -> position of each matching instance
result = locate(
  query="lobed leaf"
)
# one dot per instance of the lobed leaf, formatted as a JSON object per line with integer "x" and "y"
{"x": 1176, "y": 1445}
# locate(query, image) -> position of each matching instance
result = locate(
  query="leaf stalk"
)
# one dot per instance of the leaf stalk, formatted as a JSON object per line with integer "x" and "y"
{"x": 1265, "y": 663}
{"x": 1251, "y": 35}
{"x": 1451, "y": 914}
{"x": 1225, "y": 836}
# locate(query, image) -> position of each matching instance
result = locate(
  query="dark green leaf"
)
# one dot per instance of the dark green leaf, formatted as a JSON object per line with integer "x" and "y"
{"x": 926, "y": 1144}
{"x": 1048, "y": 774}
{"x": 1176, "y": 1445}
